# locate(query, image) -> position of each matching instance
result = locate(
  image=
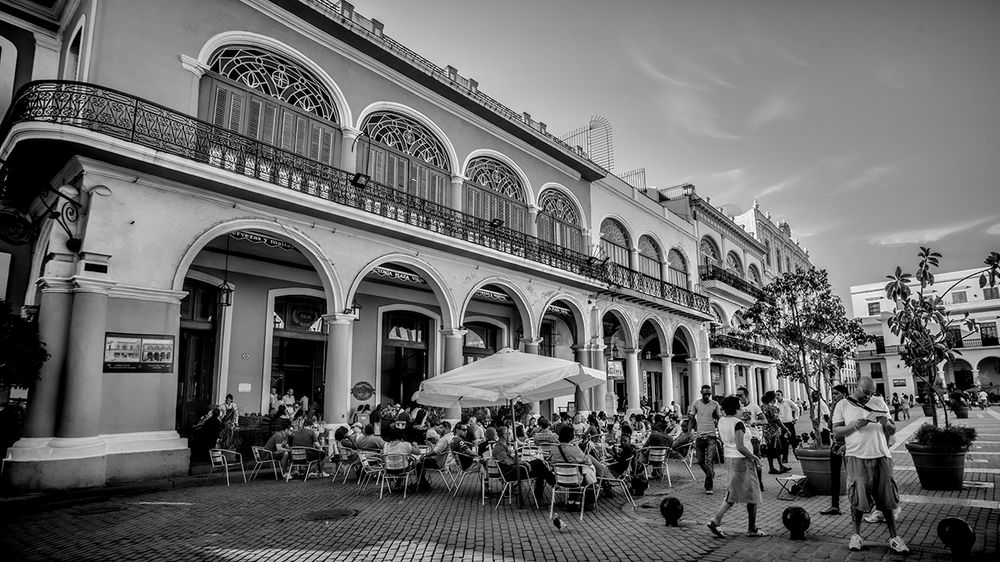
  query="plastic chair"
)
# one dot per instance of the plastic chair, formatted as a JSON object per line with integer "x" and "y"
{"x": 396, "y": 467}
{"x": 300, "y": 458}
{"x": 220, "y": 461}
{"x": 262, "y": 457}
{"x": 624, "y": 482}
{"x": 569, "y": 481}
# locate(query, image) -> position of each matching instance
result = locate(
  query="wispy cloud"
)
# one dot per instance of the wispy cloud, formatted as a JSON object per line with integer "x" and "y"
{"x": 928, "y": 234}
{"x": 721, "y": 185}
{"x": 900, "y": 77}
{"x": 874, "y": 176}
{"x": 779, "y": 185}
{"x": 694, "y": 115}
{"x": 810, "y": 229}
{"x": 994, "y": 230}
{"x": 711, "y": 76}
{"x": 775, "y": 108}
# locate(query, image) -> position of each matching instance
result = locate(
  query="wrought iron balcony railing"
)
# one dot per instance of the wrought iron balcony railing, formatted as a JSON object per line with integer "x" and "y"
{"x": 153, "y": 126}
{"x": 714, "y": 272}
{"x": 726, "y": 341}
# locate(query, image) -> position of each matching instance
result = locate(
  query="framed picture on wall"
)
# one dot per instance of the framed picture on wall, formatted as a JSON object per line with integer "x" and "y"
{"x": 138, "y": 353}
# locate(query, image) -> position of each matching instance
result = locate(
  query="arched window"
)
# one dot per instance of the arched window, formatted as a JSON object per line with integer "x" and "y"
{"x": 734, "y": 265}
{"x": 650, "y": 259}
{"x": 614, "y": 242}
{"x": 718, "y": 314}
{"x": 709, "y": 251}
{"x": 495, "y": 191}
{"x": 677, "y": 269}
{"x": 268, "y": 97}
{"x": 405, "y": 155}
{"x": 767, "y": 252}
{"x": 753, "y": 275}
{"x": 559, "y": 221}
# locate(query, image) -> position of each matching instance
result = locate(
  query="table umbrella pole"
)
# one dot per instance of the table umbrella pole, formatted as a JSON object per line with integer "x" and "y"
{"x": 517, "y": 454}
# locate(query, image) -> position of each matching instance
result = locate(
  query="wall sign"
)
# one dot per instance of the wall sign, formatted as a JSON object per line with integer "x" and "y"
{"x": 898, "y": 382}
{"x": 362, "y": 391}
{"x": 138, "y": 353}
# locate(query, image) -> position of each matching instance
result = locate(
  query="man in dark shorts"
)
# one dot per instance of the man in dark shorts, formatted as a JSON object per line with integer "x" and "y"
{"x": 862, "y": 420}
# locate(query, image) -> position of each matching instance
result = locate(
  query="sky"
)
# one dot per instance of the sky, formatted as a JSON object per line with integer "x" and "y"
{"x": 872, "y": 127}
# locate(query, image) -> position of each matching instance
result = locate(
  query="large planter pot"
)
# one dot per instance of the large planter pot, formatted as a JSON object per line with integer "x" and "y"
{"x": 961, "y": 411}
{"x": 816, "y": 467}
{"x": 936, "y": 469}
{"x": 928, "y": 409}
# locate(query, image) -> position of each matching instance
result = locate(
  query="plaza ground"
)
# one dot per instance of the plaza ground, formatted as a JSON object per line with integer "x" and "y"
{"x": 191, "y": 519}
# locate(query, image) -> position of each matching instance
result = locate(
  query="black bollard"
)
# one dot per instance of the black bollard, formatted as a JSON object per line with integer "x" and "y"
{"x": 671, "y": 509}
{"x": 796, "y": 520}
{"x": 958, "y": 536}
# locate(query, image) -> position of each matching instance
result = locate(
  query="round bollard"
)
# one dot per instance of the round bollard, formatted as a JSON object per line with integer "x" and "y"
{"x": 796, "y": 520}
{"x": 958, "y": 536}
{"x": 671, "y": 509}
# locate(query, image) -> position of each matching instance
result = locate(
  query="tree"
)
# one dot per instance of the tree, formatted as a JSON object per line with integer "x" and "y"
{"x": 21, "y": 354}
{"x": 922, "y": 323}
{"x": 799, "y": 314}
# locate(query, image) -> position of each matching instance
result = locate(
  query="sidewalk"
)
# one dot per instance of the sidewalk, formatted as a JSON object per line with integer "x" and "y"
{"x": 268, "y": 520}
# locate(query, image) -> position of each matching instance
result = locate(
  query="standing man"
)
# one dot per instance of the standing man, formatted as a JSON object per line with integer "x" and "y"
{"x": 837, "y": 393}
{"x": 751, "y": 415}
{"x": 862, "y": 420}
{"x": 788, "y": 412}
{"x": 705, "y": 414}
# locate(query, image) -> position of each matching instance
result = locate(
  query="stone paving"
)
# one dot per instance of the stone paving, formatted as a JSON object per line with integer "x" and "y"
{"x": 265, "y": 520}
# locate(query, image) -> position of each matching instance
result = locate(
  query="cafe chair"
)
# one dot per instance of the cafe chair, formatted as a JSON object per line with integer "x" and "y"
{"x": 443, "y": 472}
{"x": 396, "y": 467}
{"x": 570, "y": 482}
{"x": 300, "y": 458}
{"x": 657, "y": 460}
{"x": 370, "y": 468}
{"x": 475, "y": 470}
{"x": 225, "y": 460}
{"x": 262, "y": 457}
{"x": 624, "y": 482}
{"x": 346, "y": 460}
{"x": 495, "y": 476}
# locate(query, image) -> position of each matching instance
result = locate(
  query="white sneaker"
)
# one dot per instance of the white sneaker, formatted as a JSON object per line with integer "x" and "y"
{"x": 897, "y": 545}
{"x": 856, "y": 543}
{"x": 875, "y": 517}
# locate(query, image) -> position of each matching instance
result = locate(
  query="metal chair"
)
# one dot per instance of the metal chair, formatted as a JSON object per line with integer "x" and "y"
{"x": 569, "y": 481}
{"x": 475, "y": 469}
{"x": 262, "y": 457}
{"x": 346, "y": 460}
{"x": 396, "y": 467}
{"x": 443, "y": 471}
{"x": 624, "y": 481}
{"x": 656, "y": 459}
{"x": 495, "y": 475}
{"x": 300, "y": 457}
{"x": 221, "y": 461}
{"x": 370, "y": 467}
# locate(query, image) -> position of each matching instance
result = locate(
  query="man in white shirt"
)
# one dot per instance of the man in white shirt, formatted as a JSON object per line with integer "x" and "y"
{"x": 788, "y": 412}
{"x": 705, "y": 414}
{"x": 862, "y": 420}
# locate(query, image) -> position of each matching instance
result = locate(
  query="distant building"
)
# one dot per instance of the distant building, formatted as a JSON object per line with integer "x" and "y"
{"x": 979, "y": 362}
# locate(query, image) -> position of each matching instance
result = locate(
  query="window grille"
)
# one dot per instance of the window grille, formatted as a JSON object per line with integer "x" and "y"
{"x": 614, "y": 242}
{"x": 407, "y": 136}
{"x": 649, "y": 258}
{"x": 734, "y": 265}
{"x": 709, "y": 251}
{"x": 754, "y": 275}
{"x": 558, "y": 221}
{"x": 677, "y": 269}
{"x": 494, "y": 191}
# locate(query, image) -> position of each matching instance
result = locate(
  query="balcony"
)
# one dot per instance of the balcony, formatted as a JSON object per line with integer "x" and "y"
{"x": 716, "y": 273}
{"x": 877, "y": 351}
{"x": 153, "y": 126}
{"x": 725, "y": 341}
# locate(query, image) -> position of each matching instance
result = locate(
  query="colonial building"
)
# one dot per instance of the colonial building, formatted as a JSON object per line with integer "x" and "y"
{"x": 230, "y": 197}
{"x": 977, "y": 365}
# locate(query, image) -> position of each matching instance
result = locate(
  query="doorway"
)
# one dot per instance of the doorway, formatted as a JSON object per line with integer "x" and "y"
{"x": 404, "y": 355}
{"x": 196, "y": 360}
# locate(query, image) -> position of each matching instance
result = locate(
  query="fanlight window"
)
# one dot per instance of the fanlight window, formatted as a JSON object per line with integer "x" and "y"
{"x": 754, "y": 275}
{"x": 407, "y": 136}
{"x": 649, "y": 258}
{"x": 734, "y": 265}
{"x": 276, "y": 77}
{"x": 614, "y": 242}
{"x": 677, "y": 269}
{"x": 709, "y": 251}
{"x": 494, "y": 191}
{"x": 558, "y": 220}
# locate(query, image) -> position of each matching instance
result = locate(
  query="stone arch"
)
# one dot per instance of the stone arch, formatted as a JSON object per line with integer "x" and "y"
{"x": 690, "y": 340}
{"x": 310, "y": 250}
{"x": 263, "y": 41}
{"x": 436, "y": 282}
{"x": 520, "y": 300}
{"x": 716, "y": 310}
{"x": 583, "y": 327}
{"x": 661, "y": 328}
{"x": 529, "y": 194}
{"x": 630, "y": 332}
{"x": 417, "y": 116}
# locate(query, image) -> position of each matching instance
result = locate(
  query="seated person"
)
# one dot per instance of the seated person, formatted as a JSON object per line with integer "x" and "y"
{"x": 436, "y": 458}
{"x": 369, "y": 441}
{"x": 357, "y": 430}
{"x": 545, "y": 439}
{"x": 306, "y": 437}
{"x": 567, "y": 453}
{"x": 624, "y": 454}
{"x": 277, "y": 444}
{"x": 485, "y": 446}
{"x": 683, "y": 439}
{"x": 398, "y": 446}
{"x": 503, "y": 453}
{"x": 461, "y": 447}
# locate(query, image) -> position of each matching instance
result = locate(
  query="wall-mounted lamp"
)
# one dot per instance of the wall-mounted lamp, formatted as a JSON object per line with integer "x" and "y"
{"x": 68, "y": 212}
{"x": 354, "y": 310}
{"x": 360, "y": 180}
{"x": 225, "y": 290}
{"x": 496, "y": 223}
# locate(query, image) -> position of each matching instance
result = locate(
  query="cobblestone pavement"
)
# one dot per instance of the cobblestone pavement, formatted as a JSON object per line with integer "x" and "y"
{"x": 266, "y": 520}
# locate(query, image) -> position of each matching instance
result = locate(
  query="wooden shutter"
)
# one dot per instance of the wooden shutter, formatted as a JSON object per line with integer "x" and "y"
{"x": 228, "y": 110}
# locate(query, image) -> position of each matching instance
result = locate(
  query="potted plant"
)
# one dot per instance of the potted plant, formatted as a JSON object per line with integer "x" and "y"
{"x": 925, "y": 330}
{"x": 799, "y": 314}
{"x": 939, "y": 455}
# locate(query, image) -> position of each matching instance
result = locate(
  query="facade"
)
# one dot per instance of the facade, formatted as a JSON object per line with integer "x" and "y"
{"x": 977, "y": 366}
{"x": 265, "y": 195}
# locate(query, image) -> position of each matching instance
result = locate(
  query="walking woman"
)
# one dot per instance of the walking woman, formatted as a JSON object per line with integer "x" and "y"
{"x": 744, "y": 484}
{"x": 773, "y": 431}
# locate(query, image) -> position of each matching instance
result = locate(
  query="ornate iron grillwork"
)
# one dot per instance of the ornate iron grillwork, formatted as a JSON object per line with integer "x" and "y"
{"x": 154, "y": 126}
{"x": 407, "y": 136}
{"x": 277, "y": 77}
{"x": 709, "y": 251}
{"x": 726, "y": 341}
{"x": 555, "y": 204}
{"x": 496, "y": 176}
{"x": 714, "y": 272}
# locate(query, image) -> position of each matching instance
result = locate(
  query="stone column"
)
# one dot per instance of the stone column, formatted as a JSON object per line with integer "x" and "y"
{"x": 54, "y": 310}
{"x": 456, "y": 198}
{"x": 632, "y": 380}
{"x": 667, "y": 365}
{"x": 753, "y": 387}
{"x": 533, "y": 220}
{"x": 337, "y": 370}
{"x": 597, "y": 361}
{"x": 349, "y": 150}
{"x": 80, "y": 415}
{"x": 730, "y": 378}
{"x": 772, "y": 377}
{"x": 454, "y": 340}
{"x": 633, "y": 259}
{"x": 582, "y": 397}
